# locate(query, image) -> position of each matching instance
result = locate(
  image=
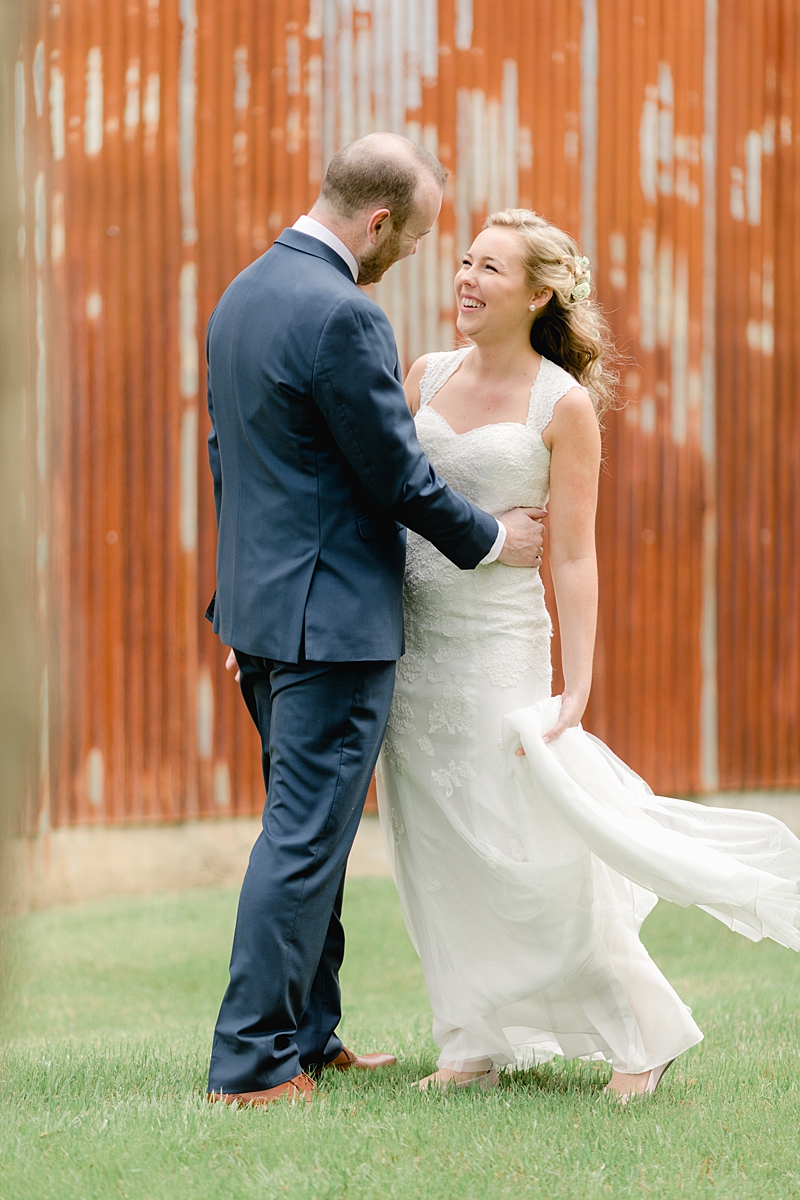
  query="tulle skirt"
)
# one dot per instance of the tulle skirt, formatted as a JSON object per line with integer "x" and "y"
{"x": 524, "y": 881}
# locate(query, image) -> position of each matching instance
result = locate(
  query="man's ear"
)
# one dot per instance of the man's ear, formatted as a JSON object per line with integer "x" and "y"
{"x": 377, "y": 224}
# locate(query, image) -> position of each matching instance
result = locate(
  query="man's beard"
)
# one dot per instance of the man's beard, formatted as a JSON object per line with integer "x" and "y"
{"x": 377, "y": 262}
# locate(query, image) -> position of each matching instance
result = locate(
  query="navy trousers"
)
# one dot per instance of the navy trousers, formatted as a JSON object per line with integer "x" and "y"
{"x": 321, "y": 727}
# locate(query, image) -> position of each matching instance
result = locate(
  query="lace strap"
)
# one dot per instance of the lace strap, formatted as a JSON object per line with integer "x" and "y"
{"x": 438, "y": 369}
{"x": 550, "y": 385}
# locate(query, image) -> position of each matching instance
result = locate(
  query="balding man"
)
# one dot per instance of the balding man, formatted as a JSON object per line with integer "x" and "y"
{"x": 317, "y": 473}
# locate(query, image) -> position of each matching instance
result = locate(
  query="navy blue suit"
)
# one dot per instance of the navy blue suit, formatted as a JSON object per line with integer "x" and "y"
{"x": 317, "y": 473}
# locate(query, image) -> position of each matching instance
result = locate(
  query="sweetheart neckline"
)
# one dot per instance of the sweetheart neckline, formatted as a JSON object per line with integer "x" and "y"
{"x": 475, "y": 428}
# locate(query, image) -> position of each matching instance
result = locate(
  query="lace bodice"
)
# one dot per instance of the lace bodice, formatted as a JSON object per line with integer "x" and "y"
{"x": 501, "y": 466}
{"x": 495, "y": 615}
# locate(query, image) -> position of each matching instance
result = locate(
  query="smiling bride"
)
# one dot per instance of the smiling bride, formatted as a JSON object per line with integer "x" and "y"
{"x": 526, "y": 855}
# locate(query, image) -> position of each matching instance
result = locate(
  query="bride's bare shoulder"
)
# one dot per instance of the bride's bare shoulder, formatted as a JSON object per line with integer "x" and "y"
{"x": 413, "y": 380}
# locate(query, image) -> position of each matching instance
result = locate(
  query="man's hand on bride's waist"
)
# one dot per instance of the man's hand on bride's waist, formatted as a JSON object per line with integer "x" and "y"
{"x": 524, "y": 542}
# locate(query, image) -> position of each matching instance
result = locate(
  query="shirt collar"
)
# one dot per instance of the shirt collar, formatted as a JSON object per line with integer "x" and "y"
{"x": 314, "y": 229}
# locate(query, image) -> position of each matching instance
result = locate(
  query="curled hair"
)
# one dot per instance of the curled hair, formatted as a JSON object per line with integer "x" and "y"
{"x": 570, "y": 329}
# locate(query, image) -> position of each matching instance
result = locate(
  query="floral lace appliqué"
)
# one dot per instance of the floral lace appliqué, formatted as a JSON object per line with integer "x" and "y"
{"x": 401, "y": 716}
{"x": 452, "y": 776}
{"x": 454, "y": 711}
{"x": 398, "y": 828}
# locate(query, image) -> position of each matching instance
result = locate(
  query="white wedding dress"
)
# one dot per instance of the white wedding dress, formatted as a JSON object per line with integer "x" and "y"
{"x": 524, "y": 880}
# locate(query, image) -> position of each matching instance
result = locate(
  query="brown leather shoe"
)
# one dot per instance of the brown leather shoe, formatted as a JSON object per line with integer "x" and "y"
{"x": 361, "y": 1062}
{"x": 297, "y": 1091}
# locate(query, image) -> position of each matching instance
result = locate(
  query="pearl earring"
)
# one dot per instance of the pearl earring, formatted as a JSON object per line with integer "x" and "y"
{"x": 532, "y": 307}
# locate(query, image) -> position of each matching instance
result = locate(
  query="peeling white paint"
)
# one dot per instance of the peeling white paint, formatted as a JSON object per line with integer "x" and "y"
{"x": 647, "y": 288}
{"x": 752, "y": 158}
{"x": 329, "y": 79}
{"x": 95, "y": 777}
{"x": 648, "y": 145}
{"x": 394, "y": 49}
{"x": 737, "y": 194}
{"x": 380, "y": 35}
{"x": 240, "y": 148}
{"x": 429, "y": 23}
{"x": 666, "y": 119}
{"x": 130, "y": 116}
{"x": 188, "y": 331}
{"x": 618, "y": 250}
{"x": 56, "y": 97}
{"x": 294, "y": 131}
{"x": 494, "y": 156}
{"x": 93, "y": 113}
{"x": 786, "y": 131}
{"x": 345, "y": 64}
{"x": 525, "y": 148}
{"x": 664, "y": 297}
{"x": 413, "y": 56}
{"x": 647, "y": 415}
{"x": 151, "y": 109}
{"x": 479, "y": 173}
{"x": 363, "y": 81}
{"x": 294, "y": 79}
{"x": 590, "y": 66}
{"x": 222, "y": 785}
{"x": 41, "y": 381}
{"x": 313, "y": 29}
{"x": 314, "y": 120}
{"x": 511, "y": 156}
{"x": 241, "y": 76}
{"x": 680, "y": 350}
{"x": 38, "y": 78}
{"x": 205, "y": 713}
{"x": 429, "y": 266}
{"x": 19, "y": 131}
{"x": 761, "y": 336}
{"x": 768, "y": 136}
{"x": 463, "y": 28}
{"x": 57, "y": 229}
{"x": 187, "y": 106}
{"x": 40, "y": 217}
{"x": 188, "y": 509}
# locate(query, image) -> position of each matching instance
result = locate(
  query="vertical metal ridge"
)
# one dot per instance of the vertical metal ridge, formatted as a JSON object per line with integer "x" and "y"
{"x": 590, "y": 68}
{"x": 709, "y": 701}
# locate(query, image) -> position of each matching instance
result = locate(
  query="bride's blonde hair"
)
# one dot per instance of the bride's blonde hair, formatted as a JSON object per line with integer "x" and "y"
{"x": 570, "y": 329}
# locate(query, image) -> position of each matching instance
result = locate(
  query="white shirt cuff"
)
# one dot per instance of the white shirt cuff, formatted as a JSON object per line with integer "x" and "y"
{"x": 499, "y": 542}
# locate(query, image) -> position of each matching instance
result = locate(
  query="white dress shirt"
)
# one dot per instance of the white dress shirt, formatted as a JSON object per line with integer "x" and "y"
{"x": 321, "y": 232}
{"x": 314, "y": 229}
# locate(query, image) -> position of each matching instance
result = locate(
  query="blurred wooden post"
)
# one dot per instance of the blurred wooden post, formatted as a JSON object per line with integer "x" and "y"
{"x": 19, "y": 673}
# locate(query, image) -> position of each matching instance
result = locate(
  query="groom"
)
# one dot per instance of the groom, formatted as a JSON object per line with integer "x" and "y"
{"x": 317, "y": 472}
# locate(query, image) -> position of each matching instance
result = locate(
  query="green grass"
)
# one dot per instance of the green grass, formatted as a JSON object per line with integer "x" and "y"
{"x": 109, "y": 1022}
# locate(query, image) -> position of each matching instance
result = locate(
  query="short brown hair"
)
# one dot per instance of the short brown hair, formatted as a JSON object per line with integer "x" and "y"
{"x": 381, "y": 169}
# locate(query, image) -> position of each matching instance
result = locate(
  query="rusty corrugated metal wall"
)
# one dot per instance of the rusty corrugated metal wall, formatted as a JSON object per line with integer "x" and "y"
{"x": 162, "y": 144}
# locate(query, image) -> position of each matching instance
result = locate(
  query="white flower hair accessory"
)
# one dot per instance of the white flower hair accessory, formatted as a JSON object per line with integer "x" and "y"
{"x": 583, "y": 279}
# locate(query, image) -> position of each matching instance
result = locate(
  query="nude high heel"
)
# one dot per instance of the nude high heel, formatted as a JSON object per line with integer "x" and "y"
{"x": 654, "y": 1078}
{"x": 482, "y": 1079}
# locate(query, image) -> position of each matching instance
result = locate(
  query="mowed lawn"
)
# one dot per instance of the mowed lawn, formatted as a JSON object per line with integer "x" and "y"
{"x": 108, "y": 1027}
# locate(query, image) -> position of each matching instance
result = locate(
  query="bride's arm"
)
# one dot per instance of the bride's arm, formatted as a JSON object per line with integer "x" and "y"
{"x": 573, "y": 438}
{"x": 413, "y": 380}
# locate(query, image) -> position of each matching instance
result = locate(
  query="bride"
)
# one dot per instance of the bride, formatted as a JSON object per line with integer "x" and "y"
{"x": 525, "y": 854}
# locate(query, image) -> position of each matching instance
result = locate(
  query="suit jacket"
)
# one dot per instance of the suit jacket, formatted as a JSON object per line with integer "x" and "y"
{"x": 317, "y": 468}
